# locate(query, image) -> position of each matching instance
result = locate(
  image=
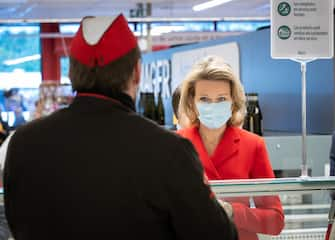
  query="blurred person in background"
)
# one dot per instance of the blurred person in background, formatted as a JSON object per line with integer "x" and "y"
{"x": 125, "y": 178}
{"x": 19, "y": 118}
{"x": 4, "y": 129}
{"x": 14, "y": 100}
{"x": 213, "y": 100}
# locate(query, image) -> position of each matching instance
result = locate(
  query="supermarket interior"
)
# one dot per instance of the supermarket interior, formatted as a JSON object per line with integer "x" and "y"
{"x": 281, "y": 52}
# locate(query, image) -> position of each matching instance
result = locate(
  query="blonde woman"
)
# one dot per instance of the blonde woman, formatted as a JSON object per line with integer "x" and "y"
{"x": 213, "y": 99}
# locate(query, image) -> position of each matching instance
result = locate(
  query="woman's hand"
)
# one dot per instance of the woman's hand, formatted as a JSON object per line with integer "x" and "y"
{"x": 227, "y": 207}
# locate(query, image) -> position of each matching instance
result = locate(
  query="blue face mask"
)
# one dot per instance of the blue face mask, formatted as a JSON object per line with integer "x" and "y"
{"x": 214, "y": 115}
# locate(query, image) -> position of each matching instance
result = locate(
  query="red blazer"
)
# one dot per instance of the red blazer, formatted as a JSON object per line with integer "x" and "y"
{"x": 242, "y": 155}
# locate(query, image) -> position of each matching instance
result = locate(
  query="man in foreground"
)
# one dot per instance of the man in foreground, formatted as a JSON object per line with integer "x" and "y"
{"x": 96, "y": 170}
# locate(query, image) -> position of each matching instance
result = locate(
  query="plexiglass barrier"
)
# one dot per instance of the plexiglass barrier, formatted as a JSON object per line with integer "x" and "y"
{"x": 304, "y": 202}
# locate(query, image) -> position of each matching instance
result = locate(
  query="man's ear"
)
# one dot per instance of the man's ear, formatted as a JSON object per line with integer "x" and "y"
{"x": 137, "y": 77}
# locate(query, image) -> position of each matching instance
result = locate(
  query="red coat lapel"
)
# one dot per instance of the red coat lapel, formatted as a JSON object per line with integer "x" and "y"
{"x": 227, "y": 147}
{"x": 206, "y": 160}
{"x": 193, "y": 135}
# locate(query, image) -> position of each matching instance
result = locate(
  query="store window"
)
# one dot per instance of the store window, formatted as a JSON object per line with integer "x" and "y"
{"x": 69, "y": 28}
{"x": 64, "y": 63}
{"x": 20, "y": 70}
{"x": 159, "y": 28}
{"x": 241, "y": 26}
{"x": 66, "y": 29}
{"x": 182, "y": 27}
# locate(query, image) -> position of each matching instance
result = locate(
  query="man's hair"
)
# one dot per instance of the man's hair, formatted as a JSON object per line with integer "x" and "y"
{"x": 113, "y": 77}
{"x": 175, "y": 101}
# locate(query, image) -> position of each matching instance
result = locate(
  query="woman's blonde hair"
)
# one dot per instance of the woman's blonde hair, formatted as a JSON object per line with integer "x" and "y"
{"x": 213, "y": 68}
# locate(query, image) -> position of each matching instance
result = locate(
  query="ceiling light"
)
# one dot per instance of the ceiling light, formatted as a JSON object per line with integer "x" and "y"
{"x": 22, "y": 60}
{"x": 209, "y": 4}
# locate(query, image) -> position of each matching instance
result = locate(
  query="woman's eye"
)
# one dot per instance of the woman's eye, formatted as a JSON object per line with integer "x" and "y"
{"x": 221, "y": 99}
{"x": 204, "y": 99}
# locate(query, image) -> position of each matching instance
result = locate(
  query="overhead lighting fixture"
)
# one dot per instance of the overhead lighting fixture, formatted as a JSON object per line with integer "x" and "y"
{"x": 209, "y": 4}
{"x": 22, "y": 60}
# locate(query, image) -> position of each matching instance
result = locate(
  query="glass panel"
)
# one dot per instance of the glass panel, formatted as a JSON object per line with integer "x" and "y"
{"x": 185, "y": 26}
{"x": 20, "y": 71}
{"x": 72, "y": 28}
{"x": 260, "y": 204}
{"x": 20, "y": 48}
{"x": 286, "y": 158}
{"x": 158, "y": 28}
{"x": 65, "y": 70}
{"x": 68, "y": 28}
{"x": 238, "y": 26}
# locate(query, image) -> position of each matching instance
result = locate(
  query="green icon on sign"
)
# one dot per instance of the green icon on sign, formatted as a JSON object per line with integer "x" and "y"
{"x": 284, "y": 32}
{"x": 284, "y": 8}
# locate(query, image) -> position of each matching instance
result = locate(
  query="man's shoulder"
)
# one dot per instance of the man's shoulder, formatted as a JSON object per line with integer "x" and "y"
{"x": 41, "y": 124}
{"x": 155, "y": 131}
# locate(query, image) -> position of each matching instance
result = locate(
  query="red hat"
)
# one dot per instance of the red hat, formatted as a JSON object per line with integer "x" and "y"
{"x": 101, "y": 40}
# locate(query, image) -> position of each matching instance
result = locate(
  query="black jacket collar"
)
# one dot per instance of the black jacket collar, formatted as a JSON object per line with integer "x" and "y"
{"x": 118, "y": 98}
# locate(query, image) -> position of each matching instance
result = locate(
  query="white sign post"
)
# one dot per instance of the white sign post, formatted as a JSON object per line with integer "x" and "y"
{"x": 302, "y": 31}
